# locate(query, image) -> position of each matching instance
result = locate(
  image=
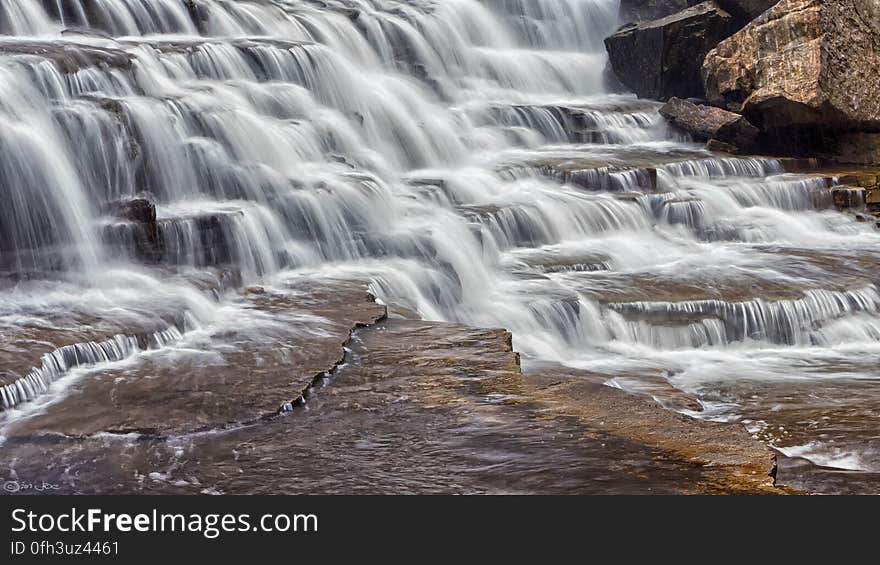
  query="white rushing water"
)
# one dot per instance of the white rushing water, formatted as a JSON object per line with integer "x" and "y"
{"x": 464, "y": 156}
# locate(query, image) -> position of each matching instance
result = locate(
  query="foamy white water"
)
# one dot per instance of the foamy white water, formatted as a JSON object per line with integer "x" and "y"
{"x": 463, "y": 156}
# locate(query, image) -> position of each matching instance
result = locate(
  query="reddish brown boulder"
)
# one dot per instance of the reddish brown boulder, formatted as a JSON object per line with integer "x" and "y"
{"x": 707, "y": 123}
{"x": 802, "y": 63}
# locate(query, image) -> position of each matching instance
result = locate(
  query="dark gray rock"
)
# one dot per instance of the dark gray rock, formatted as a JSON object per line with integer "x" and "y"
{"x": 136, "y": 228}
{"x": 748, "y": 9}
{"x": 69, "y": 58}
{"x": 663, "y": 58}
{"x": 632, "y": 11}
{"x": 140, "y": 210}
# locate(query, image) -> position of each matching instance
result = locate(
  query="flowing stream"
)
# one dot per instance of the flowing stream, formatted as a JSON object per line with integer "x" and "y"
{"x": 464, "y": 156}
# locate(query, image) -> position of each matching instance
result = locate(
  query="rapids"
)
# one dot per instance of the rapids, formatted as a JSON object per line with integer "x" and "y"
{"x": 465, "y": 157}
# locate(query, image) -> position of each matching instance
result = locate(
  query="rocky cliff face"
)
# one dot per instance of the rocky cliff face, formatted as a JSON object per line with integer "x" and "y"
{"x": 802, "y": 63}
{"x": 806, "y": 72}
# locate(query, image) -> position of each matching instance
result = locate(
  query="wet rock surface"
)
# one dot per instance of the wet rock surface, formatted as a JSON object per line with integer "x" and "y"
{"x": 855, "y": 188}
{"x": 734, "y": 461}
{"x": 449, "y": 413}
{"x": 252, "y": 378}
{"x": 69, "y": 57}
{"x": 625, "y": 169}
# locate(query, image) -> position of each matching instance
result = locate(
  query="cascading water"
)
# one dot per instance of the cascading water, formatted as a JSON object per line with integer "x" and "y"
{"x": 461, "y": 155}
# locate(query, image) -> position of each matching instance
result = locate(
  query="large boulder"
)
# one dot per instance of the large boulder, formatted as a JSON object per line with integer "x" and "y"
{"x": 663, "y": 58}
{"x": 707, "y": 123}
{"x": 802, "y": 63}
{"x": 806, "y": 73}
{"x": 646, "y": 10}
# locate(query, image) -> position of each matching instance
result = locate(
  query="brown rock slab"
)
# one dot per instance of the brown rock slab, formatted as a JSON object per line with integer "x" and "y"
{"x": 257, "y": 375}
{"x": 735, "y": 461}
{"x": 707, "y": 123}
{"x": 423, "y": 407}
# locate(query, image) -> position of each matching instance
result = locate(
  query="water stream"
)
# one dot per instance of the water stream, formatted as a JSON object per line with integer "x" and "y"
{"x": 464, "y": 156}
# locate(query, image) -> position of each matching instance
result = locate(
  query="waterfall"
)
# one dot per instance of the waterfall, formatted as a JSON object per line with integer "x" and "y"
{"x": 45, "y": 202}
{"x": 463, "y": 156}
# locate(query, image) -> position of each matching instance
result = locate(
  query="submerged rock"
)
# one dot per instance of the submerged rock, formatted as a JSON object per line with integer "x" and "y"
{"x": 848, "y": 198}
{"x": 140, "y": 210}
{"x": 707, "y": 123}
{"x": 806, "y": 72}
{"x": 663, "y": 58}
{"x": 135, "y": 228}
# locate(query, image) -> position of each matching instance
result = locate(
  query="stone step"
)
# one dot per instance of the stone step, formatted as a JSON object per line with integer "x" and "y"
{"x": 616, "y": 121}
{"x": 68, "y": 57}
{"x": 633, "y": 168}
{"x": 259, "y": 369}
{"x": 856, "y": 188}
{"x": 551, "y": 260}
{"x": 210, "y": 235}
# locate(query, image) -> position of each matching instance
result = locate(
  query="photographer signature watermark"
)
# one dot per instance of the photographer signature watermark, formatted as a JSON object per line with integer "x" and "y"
{"x": 19, "y": 486}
